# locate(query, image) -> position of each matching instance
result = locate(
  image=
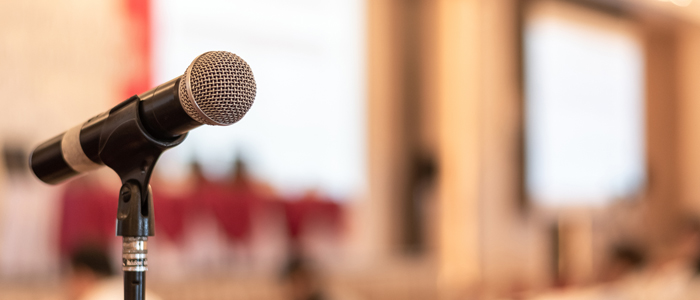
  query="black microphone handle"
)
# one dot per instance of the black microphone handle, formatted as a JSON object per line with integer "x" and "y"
{"x": 162, "y": 114}
{"x": 77, "y": 150}
{"x": 70, "y": 153}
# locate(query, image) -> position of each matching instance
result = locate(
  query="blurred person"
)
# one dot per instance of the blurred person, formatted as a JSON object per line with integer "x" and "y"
{"x": 622, "y": 273}
{"x": 242, "y": 179}
{"x": 671, "y": 270}
{"x": 203, "y": 240}
{"x": 300, "y": 280}
{"x": 89, "y": 266}
{"x": 172, "y": 201}
{"x": 315, "y": 224}
{"x": 93, "y": 278}
{"x": 252, "y": 215}
{"x": 624, "y": 259}
{"x": 233, "y": 204}
{"x": 312, "y": 211}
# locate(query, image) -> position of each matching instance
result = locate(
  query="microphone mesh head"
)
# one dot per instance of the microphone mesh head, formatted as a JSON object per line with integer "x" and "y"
{"x": 218, "y": 88}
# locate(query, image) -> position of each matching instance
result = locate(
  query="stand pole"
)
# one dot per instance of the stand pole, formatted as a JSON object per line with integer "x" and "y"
{"x": 134, "y": 285}
{"x": 135, "y": 265}
{"x": 135, "y": 224}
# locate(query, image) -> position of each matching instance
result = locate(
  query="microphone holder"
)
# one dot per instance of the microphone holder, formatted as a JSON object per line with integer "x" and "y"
{"x": 127, "y": 148}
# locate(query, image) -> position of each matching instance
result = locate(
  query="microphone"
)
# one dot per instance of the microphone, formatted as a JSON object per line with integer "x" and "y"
{"x": 218, "y": 88}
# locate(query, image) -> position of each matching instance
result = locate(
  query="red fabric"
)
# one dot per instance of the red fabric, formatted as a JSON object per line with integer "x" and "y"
{"x": 138, "y": 13}
{"x": 88, "y": 215}
{"x": 233, "y": 207}
{"x": 89, "y": 212}
{"x": 171, "y": 213}
{"x": 312, "y": 211}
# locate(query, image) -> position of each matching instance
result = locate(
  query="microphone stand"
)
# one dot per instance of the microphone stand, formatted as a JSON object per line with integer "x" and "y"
{"x": 127, "y": 148}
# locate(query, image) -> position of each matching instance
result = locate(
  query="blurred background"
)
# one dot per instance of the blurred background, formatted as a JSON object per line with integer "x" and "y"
{"x": 415, "y": 149}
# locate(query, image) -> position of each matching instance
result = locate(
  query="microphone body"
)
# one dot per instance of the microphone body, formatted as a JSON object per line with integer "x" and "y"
{"x": 77, "y": 150}
{"x": 218, "y": 88}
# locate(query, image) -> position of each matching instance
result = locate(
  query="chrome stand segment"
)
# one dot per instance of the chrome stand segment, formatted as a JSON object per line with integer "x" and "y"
{"x": 134, "y": 254}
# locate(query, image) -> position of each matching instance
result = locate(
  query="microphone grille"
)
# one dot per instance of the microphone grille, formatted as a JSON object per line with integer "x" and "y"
{"x": 218, "y": 88}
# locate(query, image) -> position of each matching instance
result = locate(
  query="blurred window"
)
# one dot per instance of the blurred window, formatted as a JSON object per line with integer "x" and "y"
{"x": 584, "y": 105}
{"x": 306, "y": 127}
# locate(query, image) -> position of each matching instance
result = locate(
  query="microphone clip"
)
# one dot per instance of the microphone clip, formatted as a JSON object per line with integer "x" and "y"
{"x": 127, "y": 148}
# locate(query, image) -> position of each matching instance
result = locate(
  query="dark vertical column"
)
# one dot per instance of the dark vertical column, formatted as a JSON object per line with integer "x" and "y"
{"x": 134, "y": 285}
{"x": 417, "y": 162}
{"x": 661, "y": 123}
